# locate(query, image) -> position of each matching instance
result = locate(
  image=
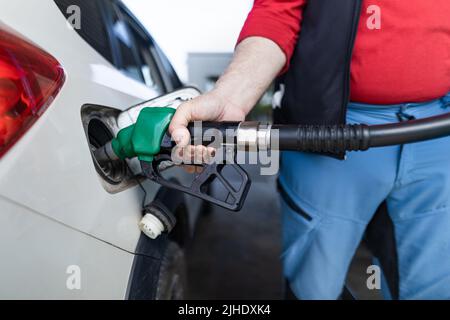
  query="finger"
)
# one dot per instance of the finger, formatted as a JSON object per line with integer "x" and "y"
{"x": 208, "y": 155}
{"x": 211, "y": 153}
{"x": 199, "y": 151}
{"x": 198, "y": 169}
{"x": 177, "y": 155}
{"x": 179, "y": 122}
{"x": 188, "y": 154}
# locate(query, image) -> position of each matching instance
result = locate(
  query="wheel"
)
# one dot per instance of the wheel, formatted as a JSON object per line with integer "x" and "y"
{"x": 172, "y": 274}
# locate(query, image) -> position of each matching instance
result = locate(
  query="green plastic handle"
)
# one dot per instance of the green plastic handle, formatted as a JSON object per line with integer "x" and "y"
{"x": 143, "y": 139}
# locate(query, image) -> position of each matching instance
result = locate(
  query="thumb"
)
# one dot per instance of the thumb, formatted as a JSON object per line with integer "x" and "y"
{"x": 178, "y": 126}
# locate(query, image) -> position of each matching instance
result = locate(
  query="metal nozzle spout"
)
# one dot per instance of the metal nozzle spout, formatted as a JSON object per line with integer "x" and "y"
{"x": 105, "y": 154}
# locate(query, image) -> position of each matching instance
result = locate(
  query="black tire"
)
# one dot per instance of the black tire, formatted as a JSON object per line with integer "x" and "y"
{"x": 172, "y": 274}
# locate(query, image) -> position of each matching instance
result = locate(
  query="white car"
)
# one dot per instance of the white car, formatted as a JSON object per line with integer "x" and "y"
{"x": 66, "y": 232}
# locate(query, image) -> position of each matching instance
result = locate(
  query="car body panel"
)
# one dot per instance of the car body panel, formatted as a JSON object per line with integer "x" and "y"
{"x": 42, "y": 256}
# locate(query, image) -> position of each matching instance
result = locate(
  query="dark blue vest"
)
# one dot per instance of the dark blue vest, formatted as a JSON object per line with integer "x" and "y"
{"x": 317, "y": 84}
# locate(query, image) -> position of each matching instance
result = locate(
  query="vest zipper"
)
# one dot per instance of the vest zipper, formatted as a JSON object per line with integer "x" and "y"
{"x": 355, "y": 20}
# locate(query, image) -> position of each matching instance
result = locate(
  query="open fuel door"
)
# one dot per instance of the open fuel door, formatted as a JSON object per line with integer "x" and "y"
{"x": 102, "y": 123}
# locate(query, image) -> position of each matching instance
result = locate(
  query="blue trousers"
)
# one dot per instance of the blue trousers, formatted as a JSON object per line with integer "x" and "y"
{"x": 339, "y": 198}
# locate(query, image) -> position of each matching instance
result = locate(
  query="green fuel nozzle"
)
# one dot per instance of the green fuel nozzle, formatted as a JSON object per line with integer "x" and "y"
{"x": 141, "y": 139}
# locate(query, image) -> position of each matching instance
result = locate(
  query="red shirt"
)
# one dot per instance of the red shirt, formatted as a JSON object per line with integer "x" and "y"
{"x": 402, "y": 49}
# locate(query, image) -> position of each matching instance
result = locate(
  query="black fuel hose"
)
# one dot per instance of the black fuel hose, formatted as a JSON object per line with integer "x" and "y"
{"x": 410, "y": 131}
{"x": 360, "y": 137}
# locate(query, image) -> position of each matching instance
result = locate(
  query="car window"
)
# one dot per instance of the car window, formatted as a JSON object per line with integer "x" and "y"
{"x": 93, "y": 28}
{"x": 134, "y": 49}
{"x": 168, "y": 68}
{"x": 116, "y": 36}
{"x": 148, "y": 66}
{"x": 129, "y": 57}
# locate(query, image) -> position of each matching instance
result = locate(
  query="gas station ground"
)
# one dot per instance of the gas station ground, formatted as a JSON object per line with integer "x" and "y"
{"x": 236, "y": 255}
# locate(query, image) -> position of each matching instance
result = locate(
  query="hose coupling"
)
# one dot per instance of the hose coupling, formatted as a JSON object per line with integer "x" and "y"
{"x": 253, "y": 136}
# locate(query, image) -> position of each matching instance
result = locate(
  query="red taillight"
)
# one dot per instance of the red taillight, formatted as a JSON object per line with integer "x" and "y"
{"x": 29, "y": 80}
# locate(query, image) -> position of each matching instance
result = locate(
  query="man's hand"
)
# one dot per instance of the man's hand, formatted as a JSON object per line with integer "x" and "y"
{"x": 208, "y": 107}
{"x": 256, "y": 62}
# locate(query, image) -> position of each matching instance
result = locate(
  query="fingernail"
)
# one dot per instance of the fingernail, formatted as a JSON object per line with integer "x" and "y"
{"x": 178, "y": 139}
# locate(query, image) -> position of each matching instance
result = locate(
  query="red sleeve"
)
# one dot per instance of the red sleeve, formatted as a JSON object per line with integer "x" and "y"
{"x": 277, "y": 20}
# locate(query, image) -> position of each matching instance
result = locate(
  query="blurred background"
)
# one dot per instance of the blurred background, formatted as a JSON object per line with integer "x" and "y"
{"x": 190, "y": 31}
